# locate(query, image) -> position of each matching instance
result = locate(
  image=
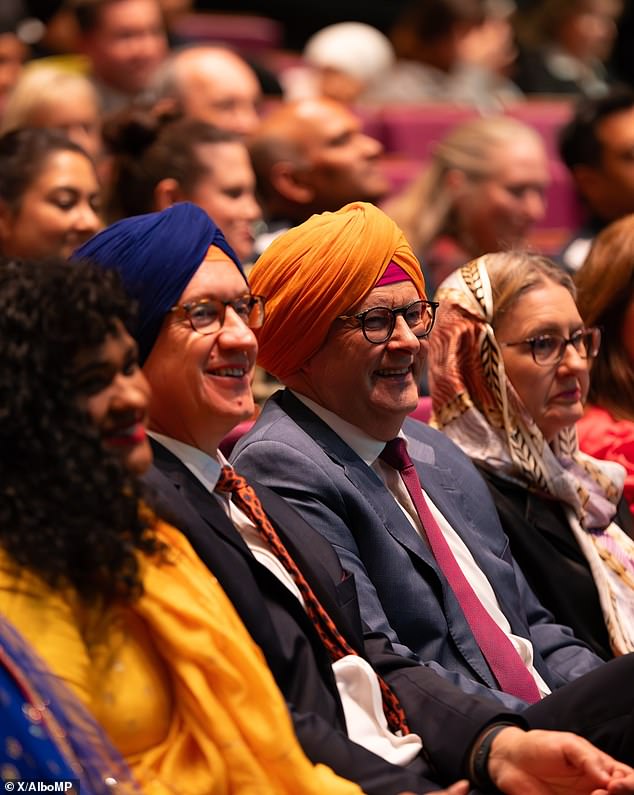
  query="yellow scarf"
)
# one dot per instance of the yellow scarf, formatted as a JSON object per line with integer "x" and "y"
{"x": 231, "y": 731}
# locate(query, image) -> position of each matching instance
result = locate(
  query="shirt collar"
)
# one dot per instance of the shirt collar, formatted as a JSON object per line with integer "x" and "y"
{"x": 204, "y": 467}
{"x": 367, "y": 448}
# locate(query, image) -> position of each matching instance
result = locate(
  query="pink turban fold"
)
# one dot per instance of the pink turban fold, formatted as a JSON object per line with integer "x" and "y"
{"x": 319, "y": 270}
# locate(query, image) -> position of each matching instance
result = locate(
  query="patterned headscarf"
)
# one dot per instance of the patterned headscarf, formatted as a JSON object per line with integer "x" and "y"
{"x": 475, "y": 404}
{"x": 319, "y": 270}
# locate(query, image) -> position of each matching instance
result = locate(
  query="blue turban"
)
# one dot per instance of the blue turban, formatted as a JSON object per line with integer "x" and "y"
{"x": 157, "y": 256}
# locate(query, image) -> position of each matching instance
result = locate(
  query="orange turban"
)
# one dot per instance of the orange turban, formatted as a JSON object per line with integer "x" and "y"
{"x": 319, "y": 270}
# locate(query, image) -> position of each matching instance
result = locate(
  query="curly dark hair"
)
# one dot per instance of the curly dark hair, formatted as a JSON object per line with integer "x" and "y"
{"x": 68, "y": 510}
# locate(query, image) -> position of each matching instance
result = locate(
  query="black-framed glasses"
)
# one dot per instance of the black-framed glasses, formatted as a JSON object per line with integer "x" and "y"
{"x": 377, "y": 323}
{"x": 208, "y": 315}
{"x": 549, "y": 349}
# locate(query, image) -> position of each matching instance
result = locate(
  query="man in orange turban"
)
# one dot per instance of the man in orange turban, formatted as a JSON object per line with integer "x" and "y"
{"x": 319, "y": 270}
{"x": 346, "y": 328}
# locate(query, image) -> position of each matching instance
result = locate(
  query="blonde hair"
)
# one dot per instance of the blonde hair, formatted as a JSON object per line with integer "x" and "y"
{"x": 514, "y": 273}
{"x": 38, "y": 87}
{"x": 426, "y": 207}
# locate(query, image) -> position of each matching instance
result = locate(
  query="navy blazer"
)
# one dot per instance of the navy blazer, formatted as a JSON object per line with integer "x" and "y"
{"x": 402, "y": 593}
{"x": 446, "y": 720}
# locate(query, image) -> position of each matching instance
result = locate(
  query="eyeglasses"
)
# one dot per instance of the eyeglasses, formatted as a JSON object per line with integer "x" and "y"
{"x": 208, "y": 315}
{"x": 549, "y": 349}
{"x": 378, "y": 322}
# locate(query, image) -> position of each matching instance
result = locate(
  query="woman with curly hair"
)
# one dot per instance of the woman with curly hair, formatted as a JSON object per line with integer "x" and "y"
{"x": 605, "y": 285}
{"x": 113, "y": 599}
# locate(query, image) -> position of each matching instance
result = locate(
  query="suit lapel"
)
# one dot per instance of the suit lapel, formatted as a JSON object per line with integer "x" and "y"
{"x": 436, "y": 482}
{"x": 363, "y": 478}
{"x": 318, "y": 562}
{"x": 314, "y": 556}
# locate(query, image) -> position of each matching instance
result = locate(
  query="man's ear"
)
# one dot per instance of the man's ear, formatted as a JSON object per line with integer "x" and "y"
{"x": 167, "y": 192}
{"x": 287, "y": 180}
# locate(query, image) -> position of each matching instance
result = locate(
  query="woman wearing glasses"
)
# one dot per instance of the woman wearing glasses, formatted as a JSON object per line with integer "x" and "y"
{"x": 509, "y": 371}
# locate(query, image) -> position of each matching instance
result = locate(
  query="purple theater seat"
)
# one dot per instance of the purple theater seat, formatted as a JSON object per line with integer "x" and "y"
{"x": 547, "y": 116}
{"x": 400, "y": 171}
{"x": 414, "y": 130}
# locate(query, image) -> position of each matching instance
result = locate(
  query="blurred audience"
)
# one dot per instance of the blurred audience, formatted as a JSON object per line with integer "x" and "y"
{"x": 342, "y": 62}
{"x": 622, "y": 61}
{"x": 212, "y": 84}
{"x": 597, "y": 146}
{"x": 13, "y": 54}
{"x": 310, "y": 156}
{"x": 605, "y": 284}
{"x": 56, "y": 98}
{"x": 566, "y": 46}
{"x": 509, "y": 365}
{"x": 454, "y": 51}
{"x": 157, "y": 163}
{"x": 125, "y": 43}
{"x": 483, "y": 190}
{"x": 49, "y": 194}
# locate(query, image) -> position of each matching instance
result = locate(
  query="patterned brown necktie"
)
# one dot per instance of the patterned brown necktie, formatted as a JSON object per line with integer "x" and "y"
{"x": 247, "y": 500}
{"x": 503, "y": 658}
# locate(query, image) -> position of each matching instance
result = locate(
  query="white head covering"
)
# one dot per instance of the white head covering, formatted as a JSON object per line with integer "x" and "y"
{"x": 352, "y": 47}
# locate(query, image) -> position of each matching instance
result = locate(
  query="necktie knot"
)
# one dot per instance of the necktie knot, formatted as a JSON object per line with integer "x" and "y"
{"x": 229, "y": 480}
{"x": 395, "y": 454}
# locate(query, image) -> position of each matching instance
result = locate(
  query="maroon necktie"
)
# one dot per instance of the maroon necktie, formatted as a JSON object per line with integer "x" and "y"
{"x": 247, "y": 500}
{"x": 503, "y": 659}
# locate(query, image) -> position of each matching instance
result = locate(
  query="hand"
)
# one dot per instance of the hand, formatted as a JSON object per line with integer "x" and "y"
{"x": 459, "y": 788}
{"x": 620, "y": 783}
{"x": 554, "y": 763}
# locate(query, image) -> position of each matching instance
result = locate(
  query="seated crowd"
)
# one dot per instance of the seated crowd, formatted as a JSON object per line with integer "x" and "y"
{"x": 322, "y": 593}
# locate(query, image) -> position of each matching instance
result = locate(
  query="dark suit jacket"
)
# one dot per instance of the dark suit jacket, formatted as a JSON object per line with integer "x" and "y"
{"x": 447, "y": 721}
{"x": 401, "y": 591}
{"x": 550, "y": 558}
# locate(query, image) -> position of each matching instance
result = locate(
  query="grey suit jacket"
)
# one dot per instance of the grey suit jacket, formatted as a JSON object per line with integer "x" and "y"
{"x": 401, "y": 591}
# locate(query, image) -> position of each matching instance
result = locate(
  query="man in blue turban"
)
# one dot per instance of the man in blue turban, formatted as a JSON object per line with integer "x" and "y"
{"x": 157, "y": 254}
